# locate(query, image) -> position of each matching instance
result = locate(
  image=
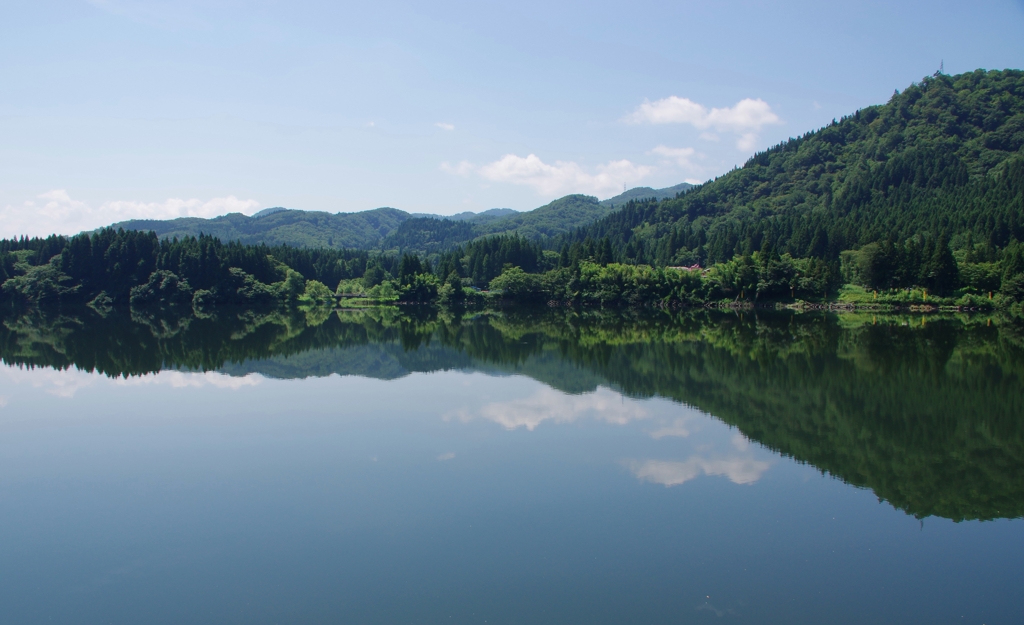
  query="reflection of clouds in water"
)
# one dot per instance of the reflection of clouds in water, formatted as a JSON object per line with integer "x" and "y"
{"x": 66, "y": 383}
{"x": 180, "y": 379}
{"x": 676, "y": 428}
{"x": 62, "y": 383}
{"x": 740, "y": 442}
{"x": 738, "y": 470}
{"x": 548, "y": 404}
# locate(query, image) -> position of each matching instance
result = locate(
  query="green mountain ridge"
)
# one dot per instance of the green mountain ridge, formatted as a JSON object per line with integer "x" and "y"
{"x": 944, "y": 158}
{"x": 280, "y": 226}
{"x": 640, "y": 193}
{"x": 371, "y": 229}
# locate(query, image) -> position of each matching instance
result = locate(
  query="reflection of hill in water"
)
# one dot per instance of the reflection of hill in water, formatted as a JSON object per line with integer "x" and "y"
{"x": 925, "y": 414}
{"x": 388, "y": 361}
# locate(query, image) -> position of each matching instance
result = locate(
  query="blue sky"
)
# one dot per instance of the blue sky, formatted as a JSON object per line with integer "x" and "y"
{"x": 114, "y": 109}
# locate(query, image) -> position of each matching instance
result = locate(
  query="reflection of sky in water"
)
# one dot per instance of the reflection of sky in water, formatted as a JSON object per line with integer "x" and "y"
{"x": 443, "y": 497}
{"x": 543, "y": 406}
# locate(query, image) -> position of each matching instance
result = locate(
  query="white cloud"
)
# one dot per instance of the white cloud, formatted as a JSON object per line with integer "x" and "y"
{"x": 745, "y": 118}
{"x": 57, "y": 212}
{"x": 561, "y": 178}
{"x": 447, "y": 456}
{"x": 444, "y": 126}
{"x": 738, "y": 470}
{"x": 670, "y": 110}
{"x": 551, "y": 405}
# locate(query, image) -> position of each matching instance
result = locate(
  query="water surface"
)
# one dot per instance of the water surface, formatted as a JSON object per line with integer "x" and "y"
{"x": 410, "y": 467}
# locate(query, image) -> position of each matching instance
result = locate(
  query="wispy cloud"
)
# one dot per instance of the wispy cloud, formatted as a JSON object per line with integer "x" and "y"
{"x": 745, "y": 119}
{"x": 668, "y": 473}
{"x": 444, "y": 126}
{"x": 57, "y": 212}
{"x": 560, "y": 178}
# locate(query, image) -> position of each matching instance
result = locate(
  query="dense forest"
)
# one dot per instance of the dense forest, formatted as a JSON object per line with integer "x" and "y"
{"x": 892, "y": 192}
{"x": 919, "y": 201}
{"x": 137, "y": 268}
{"x": 926, "y": 414}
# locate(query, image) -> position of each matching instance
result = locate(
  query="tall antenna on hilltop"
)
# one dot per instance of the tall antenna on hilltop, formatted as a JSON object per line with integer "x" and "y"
{"x": 942, "y": 66}
{"x": 623, "y": 187}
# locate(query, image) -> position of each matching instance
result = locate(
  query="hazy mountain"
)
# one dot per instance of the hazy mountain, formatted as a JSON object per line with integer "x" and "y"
{"x": 559, "y": 217}
{"x": 390, "y": 227}
{"x": 275, "y": 226}
{"x": 642, "y": 193}
{"x": 487, "y": 215}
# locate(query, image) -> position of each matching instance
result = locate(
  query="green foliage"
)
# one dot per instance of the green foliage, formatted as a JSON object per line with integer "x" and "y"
{"x": 138, "y": 268}
{"x": 244, "y": 289}
{"x": 163, "y": 287}
{"x": 516, "y": 284}
{"x": 384, "y": 292}
{"x": 42, "y": 284}
{"x": 293, "y": 285}
{"x": 452, "y": 292}
{"x": 421, "y": 287}
{"x": 317, "y": 292}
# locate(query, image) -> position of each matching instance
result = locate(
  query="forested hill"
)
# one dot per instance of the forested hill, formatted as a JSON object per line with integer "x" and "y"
{"x": 429, "y": 235}
{"x": 940, "y": 165}
{"x": 544, "y": 224}
{"x": 280, "y": 226}
{"x": 391, "y": 228}
{"x": 643, "y": 193}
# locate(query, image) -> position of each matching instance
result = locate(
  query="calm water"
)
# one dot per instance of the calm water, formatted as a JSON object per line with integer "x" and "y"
{"x": 404, "y": 467}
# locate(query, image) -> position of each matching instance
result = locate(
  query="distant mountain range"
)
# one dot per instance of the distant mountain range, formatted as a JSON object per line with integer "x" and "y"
{"x": 643, "y": 193}
{"x": 391, "y": 228}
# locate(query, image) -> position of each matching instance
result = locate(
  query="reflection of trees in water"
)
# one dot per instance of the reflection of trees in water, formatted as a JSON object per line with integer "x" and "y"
{"x": 924, "y": 412}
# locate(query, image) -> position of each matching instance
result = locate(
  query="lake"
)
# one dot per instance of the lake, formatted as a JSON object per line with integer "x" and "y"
{"x": 415, "y": 466}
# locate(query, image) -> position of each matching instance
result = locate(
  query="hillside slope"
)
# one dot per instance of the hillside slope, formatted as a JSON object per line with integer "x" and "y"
{"x": 642, "y": 193}
{"x": 391, "y": 228}
{"x": 429, "y": 235}
{"x": 281, "y": 226}
{"x": 386, "y": 228}
{"x": 941, "y": 162}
